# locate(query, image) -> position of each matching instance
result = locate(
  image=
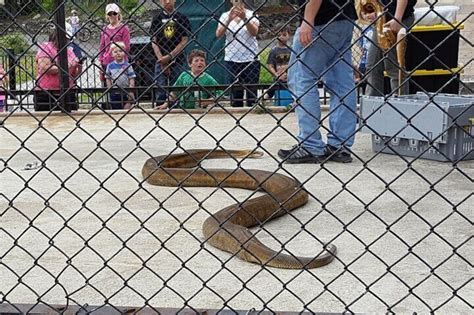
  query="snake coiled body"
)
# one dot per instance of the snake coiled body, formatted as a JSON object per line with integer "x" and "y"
{"x": 228, "y": 229}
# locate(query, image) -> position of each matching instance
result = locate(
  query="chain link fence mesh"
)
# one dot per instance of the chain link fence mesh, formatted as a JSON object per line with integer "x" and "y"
{"x": 81, "y": 230}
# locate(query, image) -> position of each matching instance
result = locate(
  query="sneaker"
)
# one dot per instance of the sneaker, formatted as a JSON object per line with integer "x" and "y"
{"x": 283, "y": 153}
{"x": 338, "y": 154}
{"x": 298, "y": 154}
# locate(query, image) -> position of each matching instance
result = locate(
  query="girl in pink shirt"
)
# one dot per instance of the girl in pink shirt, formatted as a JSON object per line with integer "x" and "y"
{"x": 48, "y": 78}
{"x": 48, "y": 66}
{"x": 115, "y": 31}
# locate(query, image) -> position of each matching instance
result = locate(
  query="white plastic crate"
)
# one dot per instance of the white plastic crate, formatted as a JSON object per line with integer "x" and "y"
{"x": 438, "y": 127}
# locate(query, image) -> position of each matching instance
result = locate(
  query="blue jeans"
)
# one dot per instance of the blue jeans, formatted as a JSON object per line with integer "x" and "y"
{"x": 329, "y": 59}
{"x": 162, "y": 79}
{"x": 239, "y": 74}
{"x": 118, "y": 98}
{"x": 77, "y": 50}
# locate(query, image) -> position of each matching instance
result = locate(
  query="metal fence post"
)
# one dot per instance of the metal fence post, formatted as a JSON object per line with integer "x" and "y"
{"x": 63, "y": 58}
{"x": 12, "y": 65}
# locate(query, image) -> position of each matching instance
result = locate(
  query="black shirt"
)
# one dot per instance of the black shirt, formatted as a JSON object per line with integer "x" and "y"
{"x": 167, "y": 30}
{"x": 279, "y": 56}
{"x": 391, "y": 5}
{"x": 332, "y": 10}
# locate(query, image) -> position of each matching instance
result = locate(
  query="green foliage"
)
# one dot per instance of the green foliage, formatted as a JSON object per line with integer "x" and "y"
{"x": 265, "y": 75}
{"x": 14, "y": 41}
{"x": 128, "y": 5}
{"x": 47, "y": 5}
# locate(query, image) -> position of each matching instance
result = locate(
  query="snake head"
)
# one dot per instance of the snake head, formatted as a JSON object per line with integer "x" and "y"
{"x": 255, "y": 154}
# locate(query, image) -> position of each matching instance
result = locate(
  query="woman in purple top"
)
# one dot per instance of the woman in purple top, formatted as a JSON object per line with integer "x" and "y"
{"x": 115, "y": 31}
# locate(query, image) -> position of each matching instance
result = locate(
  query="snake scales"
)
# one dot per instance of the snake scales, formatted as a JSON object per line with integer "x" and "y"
{"x": 228, "y": 228}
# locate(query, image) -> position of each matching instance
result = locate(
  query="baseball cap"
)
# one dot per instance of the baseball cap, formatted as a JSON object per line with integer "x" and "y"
{"x": 112, "y": 7}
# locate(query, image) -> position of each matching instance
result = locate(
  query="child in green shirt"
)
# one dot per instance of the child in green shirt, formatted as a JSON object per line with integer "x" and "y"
{"x": 189, "y": 99}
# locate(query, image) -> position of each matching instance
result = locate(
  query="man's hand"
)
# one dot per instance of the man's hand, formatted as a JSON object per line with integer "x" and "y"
{"x": 164, "y": 63}
{"x": 393, "y": 25}
{"x": 240, "y": 12}
{"x": 306, "y": 33}
{"x": 162, "y": 106}
{"x": 233, "y": 14}
{"x": 164, "y": 60}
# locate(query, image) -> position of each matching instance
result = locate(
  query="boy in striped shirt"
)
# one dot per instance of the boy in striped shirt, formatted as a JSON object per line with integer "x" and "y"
{"x": 120, "y": 77}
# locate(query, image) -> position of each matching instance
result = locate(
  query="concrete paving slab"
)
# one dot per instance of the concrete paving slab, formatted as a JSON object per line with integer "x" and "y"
{"x": 81, "y": 227}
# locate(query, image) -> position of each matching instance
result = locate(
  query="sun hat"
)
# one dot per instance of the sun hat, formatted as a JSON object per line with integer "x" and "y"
{"x": 112, "y": 7}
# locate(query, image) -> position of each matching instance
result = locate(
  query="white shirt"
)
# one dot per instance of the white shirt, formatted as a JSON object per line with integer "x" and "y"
{"x": 240, "y": 45}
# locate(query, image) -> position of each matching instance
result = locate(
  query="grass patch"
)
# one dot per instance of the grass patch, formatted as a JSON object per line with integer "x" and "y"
{"x": 24, "y": 67}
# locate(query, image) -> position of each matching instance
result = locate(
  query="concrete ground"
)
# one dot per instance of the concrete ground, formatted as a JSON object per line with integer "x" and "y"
{"x": 403, "y": 230}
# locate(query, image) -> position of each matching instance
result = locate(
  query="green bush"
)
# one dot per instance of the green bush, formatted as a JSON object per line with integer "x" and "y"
{"x": 47, "y": 5}
{"x": 265, "y": 75}
{"x": 14, "y": 41}
{"x": 128, "y": 5}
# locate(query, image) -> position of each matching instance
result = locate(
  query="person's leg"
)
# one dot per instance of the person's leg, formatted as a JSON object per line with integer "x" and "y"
{"x": 102, "y": 75}
{"x": 175, "y": 71}
{"x": 160, "y": 81}
{"x": 43, "y": 100}
{"x": 250, "y": 75}
{"x": 393, "y": 68}
{"x": 374, "y": 68}
{"x": 113, "y": 99}
{"x": 315, "y": 62}
{"x": 237, "y": 93}
{"x": 302, "y": 84}
{"x": 340, "y": 83}
{"x": 271, "y": 91}
{"x": 71, "y": 99}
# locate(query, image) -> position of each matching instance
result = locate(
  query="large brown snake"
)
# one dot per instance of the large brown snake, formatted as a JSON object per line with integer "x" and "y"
{"x": 228, "y": 228}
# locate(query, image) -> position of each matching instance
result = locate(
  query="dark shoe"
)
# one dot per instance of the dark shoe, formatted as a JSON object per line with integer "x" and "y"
{"x": 298, "y": 154}
{"x": 338, "y": 154}
{"x": 284, "y": 153}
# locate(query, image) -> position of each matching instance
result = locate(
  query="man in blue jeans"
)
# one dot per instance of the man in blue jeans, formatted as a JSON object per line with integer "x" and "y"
{"x": 322, "y": 52}
{"x": 169, "y": 36}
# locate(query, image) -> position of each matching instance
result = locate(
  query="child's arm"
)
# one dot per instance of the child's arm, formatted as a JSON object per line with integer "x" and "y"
{"x": 165, "y": 105}
{"x": 46, "y": 65}
{"x": 271, "y": 64}
{"x": 108, "y": 77}
{"x": 282, "y": 73}
{"x": 272, "y": 70}
{"x": 131, "y": 80}
{"x": 131, "y": 84}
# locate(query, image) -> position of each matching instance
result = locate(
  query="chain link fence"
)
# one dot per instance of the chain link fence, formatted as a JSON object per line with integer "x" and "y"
{"x": 109, "y": 203}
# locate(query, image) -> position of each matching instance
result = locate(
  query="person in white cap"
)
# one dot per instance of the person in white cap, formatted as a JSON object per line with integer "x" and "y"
{"x": 114, "y": 31}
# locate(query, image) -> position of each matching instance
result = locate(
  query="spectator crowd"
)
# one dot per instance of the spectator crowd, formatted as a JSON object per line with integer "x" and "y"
{"x": 181, "y": 81}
